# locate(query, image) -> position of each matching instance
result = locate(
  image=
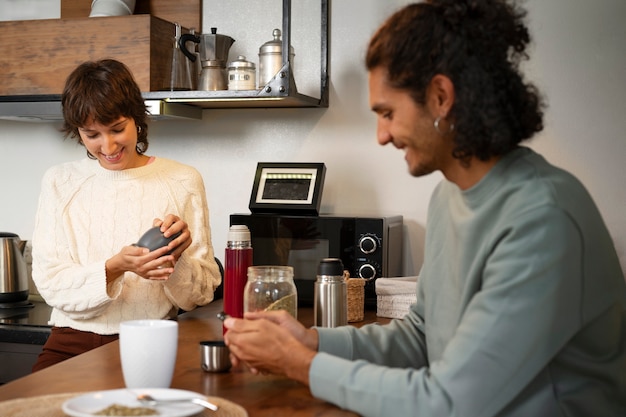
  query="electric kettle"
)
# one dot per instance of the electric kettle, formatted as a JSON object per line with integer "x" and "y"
{"x": 13, "y": 272}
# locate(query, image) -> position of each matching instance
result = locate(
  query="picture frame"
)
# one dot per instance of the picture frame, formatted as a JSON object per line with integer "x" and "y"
{"x": 288, "y": 187}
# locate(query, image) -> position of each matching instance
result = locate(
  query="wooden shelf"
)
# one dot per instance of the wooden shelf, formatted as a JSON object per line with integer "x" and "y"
{"x": 32, "y": 80}
{"x": 142, "y": 42}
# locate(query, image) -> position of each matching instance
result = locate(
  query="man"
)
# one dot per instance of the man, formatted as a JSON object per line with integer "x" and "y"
{"x": 521, "y": 302}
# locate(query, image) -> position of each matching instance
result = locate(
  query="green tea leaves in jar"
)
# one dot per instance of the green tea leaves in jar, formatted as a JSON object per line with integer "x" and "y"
{"x": 269, "y": 288}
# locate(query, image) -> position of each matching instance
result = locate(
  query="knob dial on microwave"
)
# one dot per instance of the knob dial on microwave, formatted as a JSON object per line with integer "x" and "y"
{"x": 368, "y": 244}
{"x": 367, "y": 272}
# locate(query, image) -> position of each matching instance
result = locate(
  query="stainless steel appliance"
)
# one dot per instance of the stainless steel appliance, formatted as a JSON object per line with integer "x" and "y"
{"x": 13, "y": 269}
{"x": 213, "y": 49}
{"x": 369, "y": 247}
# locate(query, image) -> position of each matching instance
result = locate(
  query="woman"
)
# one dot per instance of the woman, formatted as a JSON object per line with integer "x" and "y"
{"x": 92, "y": 211}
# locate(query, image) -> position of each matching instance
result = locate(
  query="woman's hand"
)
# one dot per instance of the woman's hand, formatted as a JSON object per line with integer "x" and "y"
{"x": 272, "y": 342}
{"x": 170, "y": 226}
{"x": 157, "y": 264}
{"x": 146, "y": 264}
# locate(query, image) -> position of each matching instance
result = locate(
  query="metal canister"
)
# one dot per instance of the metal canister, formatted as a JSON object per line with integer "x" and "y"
{"x": 241, "y": 74}
{"x": 271, "y": 58}
{"x": 331, "y": 294}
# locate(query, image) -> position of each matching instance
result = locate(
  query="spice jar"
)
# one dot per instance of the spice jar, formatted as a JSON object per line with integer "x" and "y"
{"x": 271, "y": 287}
{"x": 241, "y": 74}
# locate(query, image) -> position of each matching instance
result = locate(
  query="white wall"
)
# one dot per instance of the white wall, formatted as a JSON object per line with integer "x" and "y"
{"x": 29, "y": 9}
{"x": 579, "y": 61}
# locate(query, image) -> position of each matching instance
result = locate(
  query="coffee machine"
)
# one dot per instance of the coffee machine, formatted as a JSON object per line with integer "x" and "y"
{"x": 213, "y": 49}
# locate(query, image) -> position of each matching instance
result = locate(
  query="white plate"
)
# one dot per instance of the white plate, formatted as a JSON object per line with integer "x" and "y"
{"x": 89, "y": 404}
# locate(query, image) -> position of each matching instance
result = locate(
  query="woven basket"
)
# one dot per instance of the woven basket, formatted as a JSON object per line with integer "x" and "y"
{"x": 395, "y": 295}
{"x": 356, "y": 299}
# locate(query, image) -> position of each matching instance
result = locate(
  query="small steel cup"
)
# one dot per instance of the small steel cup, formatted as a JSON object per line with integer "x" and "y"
{"x": 214, "y": 356}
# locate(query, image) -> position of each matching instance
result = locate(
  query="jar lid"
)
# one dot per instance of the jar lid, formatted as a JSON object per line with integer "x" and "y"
{"x": 330, "y": 266}
{"x": 238, "y": 233}
{"x": 275, "y": 45}
{"x": 241, "y": 63}
{"x": 270, "y": 273}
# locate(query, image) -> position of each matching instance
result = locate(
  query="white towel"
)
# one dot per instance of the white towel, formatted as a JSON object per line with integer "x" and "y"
{"x": 399, "y": 285}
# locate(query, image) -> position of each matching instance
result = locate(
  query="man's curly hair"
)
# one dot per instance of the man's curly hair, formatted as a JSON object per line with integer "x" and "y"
{"x": 479, "y": 45}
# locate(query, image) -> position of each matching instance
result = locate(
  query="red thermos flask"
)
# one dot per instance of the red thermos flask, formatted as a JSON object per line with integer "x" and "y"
{"x": 238, "y": 259}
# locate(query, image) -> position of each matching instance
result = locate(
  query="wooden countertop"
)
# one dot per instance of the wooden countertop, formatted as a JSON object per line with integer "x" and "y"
{"x": 267, "y": 395}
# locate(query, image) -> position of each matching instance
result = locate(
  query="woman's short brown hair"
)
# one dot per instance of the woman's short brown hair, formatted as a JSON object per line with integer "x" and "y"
{"x": 103, "y": 91}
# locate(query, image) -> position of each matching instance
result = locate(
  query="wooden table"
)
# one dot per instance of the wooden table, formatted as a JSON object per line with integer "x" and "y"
{"x": 266, "y": 395}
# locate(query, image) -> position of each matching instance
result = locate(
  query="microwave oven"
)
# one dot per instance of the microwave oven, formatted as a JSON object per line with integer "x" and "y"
{"x": 369, "y": 247}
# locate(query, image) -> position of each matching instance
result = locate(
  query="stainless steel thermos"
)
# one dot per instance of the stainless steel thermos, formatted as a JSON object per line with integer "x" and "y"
{"x": 331, "y": 294}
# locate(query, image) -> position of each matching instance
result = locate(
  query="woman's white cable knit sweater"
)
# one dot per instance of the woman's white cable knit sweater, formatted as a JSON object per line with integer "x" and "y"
{"x": 86, "y": 214}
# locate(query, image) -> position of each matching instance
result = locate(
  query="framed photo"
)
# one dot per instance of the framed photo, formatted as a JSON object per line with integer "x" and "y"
{"x": 288, "y": 187}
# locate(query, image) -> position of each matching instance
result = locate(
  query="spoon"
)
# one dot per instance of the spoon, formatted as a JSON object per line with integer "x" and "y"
{"x": 147, "y": 399}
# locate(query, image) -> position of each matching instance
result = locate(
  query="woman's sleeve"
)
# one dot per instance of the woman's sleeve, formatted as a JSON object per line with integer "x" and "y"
{"x": 77, "y": 290}
{"x": 196, "y": 274}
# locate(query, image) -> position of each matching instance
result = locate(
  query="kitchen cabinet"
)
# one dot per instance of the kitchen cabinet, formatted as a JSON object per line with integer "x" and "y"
{"x": 40, "y": 54}
{"x": 17, "y": 360}
{"x": 23, "y": 332}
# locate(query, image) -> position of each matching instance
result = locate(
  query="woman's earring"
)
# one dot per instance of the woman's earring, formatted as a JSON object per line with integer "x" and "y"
{"x": 138, "y": 129}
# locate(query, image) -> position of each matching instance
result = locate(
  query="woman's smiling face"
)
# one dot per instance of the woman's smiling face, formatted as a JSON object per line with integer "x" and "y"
{"x": 113, "y": 145}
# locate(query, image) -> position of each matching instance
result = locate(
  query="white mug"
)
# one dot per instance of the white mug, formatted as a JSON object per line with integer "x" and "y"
{"x": 148, "y": 352}
{"x": 112, "y": 8}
